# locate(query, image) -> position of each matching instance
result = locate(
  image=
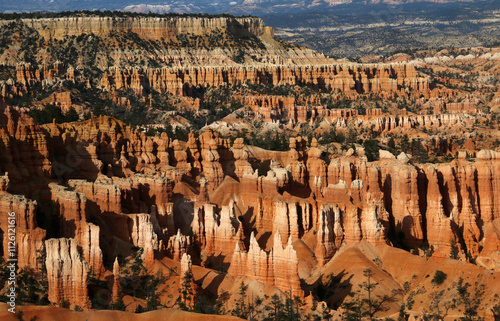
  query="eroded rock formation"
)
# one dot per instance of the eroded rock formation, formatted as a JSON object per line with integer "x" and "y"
{"x": 67, "y": 274}
{"x": 29, "y": 237}
{"x": 156, "y": 192}
{"x": 277, "y": 268}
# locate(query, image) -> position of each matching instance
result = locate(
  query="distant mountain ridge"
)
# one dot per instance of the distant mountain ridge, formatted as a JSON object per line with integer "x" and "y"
{"x": 337, "y": 28}
{"x": 258, "y": 7}
{"x": 383, "y": 29}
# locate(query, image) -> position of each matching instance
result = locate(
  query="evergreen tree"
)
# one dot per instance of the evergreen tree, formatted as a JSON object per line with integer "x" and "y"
{"x": 119, "y": 304}
{"x": 186, "y": 291}
{"x": 371, "y": 150}
{"x": 71, "y": 115}
{"x": 392, "y": 144}
{"x": 405, "y": 144}
{"x": 353, "y": 310}
{"x": 469, "y": 301}
{"x": 368, "y": 287}
{"x": 275, "y": 309}
{"x": 358, "y": 308}
{"x": 241, "y": 309}
{"x": 454, "y": 251}
{"x": 221, "y": 301}
{"x": 152, "y": 296}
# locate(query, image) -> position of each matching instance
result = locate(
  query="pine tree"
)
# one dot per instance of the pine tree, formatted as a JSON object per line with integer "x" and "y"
{"x": 152, "y": 297}
{"x": 358, "y": 308}
{"x": 275, "y": 309}
{"x": 220, "y": 302}
{"x": 454, "y": 251}
{"x": 119, "y": 304}
{"x": 353, "y": 309}
{"x": 405, "y": 144}
{"x": 71, "y": 115}
{"x": 186, "y": 291}
{"x": 470, "y": 301}
{"x": 368, "y": 286}
{"x": 242, "y": 309}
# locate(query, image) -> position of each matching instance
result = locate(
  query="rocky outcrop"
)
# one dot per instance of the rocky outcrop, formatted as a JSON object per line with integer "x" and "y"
{"x": 241, "y": 164}
{"x": 346, "y": 78}
{"x": 372, "y": 229}
{"x": 211, "y": 224}
{"x": 385, "y": 123}
{"x": 352, "y": 225}
{"x": 178, "y": 245}
{"x": 212, "y": 168}
{"x": 402, "y": 199}
{"x": 29, "y": 237}
{"x": 142, "y": 234}
{"x": 488, "y": 184}
{"x": 225, "y": 232}
{"x": 181, "y": 158}
{"x": 24, "y": 149}
{"x": 187, "y": 286}
{"x": 73, "y": 223}
{"x": 388, "y": 199}
{"x": 282, "y": 220}
{"x": 284, "y": 262}
{"x": 316, "y": 168}
{"x": 344, "y": 200}
{"x": 296, "y": 166}
{"x": 102, "y": 192}
{"x": 277, "y": 268}
{"x": 117, "y": 288}
{"x": 193, "y": 151}
{"x": 198, "y": 226}
{"x": 120, "y": 189}
{"x": 152, "y": 28}
{"x": 213, "y": 232}
{"x": 326, "y": 237}
{"x": 89, "y": 237}
{"x": 467, "y": 217}
{"x": 67, "y": 274}
{"x": 439, "y": 230}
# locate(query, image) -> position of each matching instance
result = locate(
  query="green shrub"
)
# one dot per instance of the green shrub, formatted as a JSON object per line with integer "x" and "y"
{"x": 439, "y": 277}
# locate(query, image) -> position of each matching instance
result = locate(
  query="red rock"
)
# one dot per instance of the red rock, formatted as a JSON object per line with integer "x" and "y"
{"x": 401, "y": 191}
{"x": 190, "y": 288}
{"x": 180, "y": 156}
{"x": 295, "y": 165}
{"x": 210, "y": 157}
{"x": 178, "y": 245}
{"x": 117, "y": 288}
{"x": 29, "y": 237}
{"x": 281, "y": 221}
{"x": 371, "y": 227}
{"x": 106, "y": 195}
{"x": 198, "y": 226}
{"x": 241, "y": 163}
{"x": 277, "y": 268}
{"x": 325, "y": 244}
{"x": 316, "y": 168}
{"x": 225, "y": 232}
{"x": 67, "y": 274}
{"x": 439, "y": 230}
{"x": 142, "y": 235}
{"x": 285, "y": 267}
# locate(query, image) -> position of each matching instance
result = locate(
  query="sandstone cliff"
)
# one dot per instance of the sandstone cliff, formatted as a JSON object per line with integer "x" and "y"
{"x": 264, "y": 228}
{"x": 67, "y": 274}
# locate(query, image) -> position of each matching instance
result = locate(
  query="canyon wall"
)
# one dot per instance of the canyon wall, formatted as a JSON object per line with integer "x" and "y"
{"x": 120, "y": 186}
{"x": 152, "y": 28}
{"x": 346, "y": 78}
